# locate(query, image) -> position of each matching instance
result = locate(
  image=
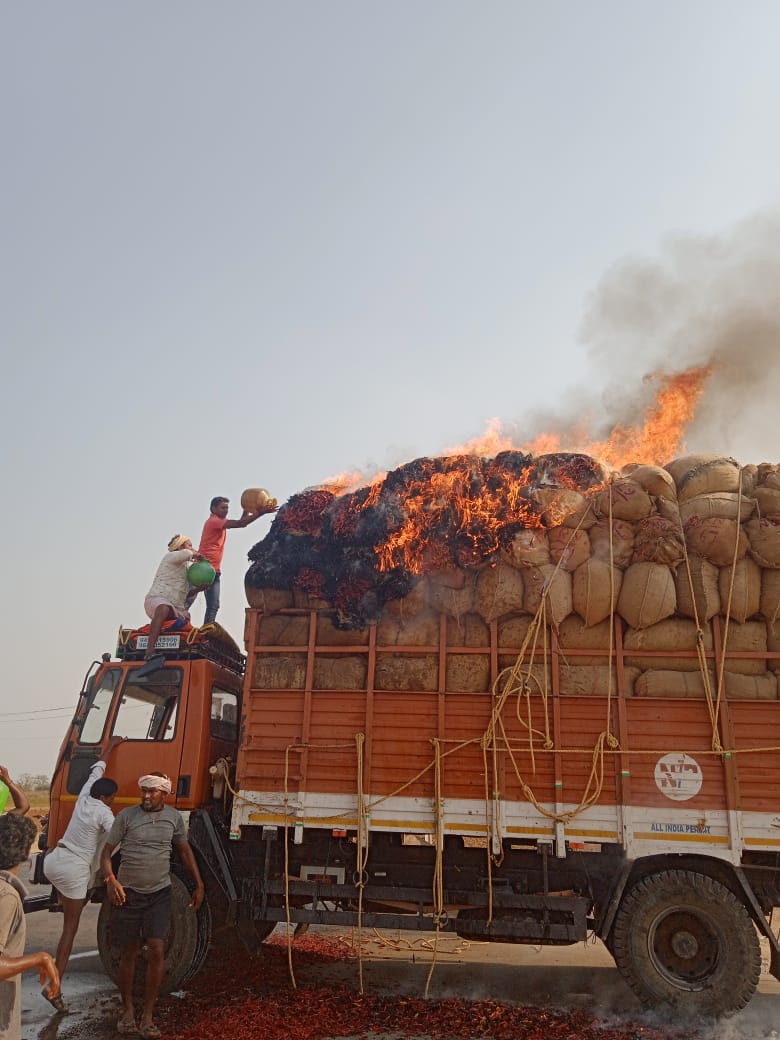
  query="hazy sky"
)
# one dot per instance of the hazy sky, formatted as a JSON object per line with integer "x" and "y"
{"x": 259, "y": 244}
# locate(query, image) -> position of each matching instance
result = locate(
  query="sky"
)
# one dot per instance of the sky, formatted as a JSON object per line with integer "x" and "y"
{"x": 256, "y": 244}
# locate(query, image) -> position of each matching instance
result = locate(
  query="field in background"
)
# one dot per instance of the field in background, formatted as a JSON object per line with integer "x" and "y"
{"x": 39, "y": 804}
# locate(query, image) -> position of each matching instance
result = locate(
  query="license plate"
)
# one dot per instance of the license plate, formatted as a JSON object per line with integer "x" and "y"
{"x": 163, "y": 642}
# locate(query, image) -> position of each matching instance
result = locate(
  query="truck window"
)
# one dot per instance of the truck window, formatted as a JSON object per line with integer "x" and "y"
{"x": 224, "y": 714}
{"x": 148, "y": 710}
{"x": 95, "y": 722}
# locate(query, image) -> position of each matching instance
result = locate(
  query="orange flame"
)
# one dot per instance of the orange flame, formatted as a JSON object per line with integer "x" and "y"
{"x": 455, "y": 507}
{"x": 660, "y": 437}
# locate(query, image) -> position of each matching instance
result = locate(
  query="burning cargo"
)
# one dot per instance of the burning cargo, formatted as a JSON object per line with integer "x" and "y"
{"x": 562, "y": 675}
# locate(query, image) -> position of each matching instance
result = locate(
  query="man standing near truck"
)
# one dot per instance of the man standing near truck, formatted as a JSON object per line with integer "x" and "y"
{"x": 212, "y": 546}
{"x": 17, "y": 833}
{"x": 141, "y": 895}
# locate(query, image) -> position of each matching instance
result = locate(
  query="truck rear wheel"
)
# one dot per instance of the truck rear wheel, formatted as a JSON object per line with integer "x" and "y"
{"x": 185, "y": 950}
{"x": 684, "y": 941}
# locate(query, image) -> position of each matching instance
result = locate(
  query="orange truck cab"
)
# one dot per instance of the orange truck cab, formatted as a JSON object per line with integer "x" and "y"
{"x": 181, "y": 719}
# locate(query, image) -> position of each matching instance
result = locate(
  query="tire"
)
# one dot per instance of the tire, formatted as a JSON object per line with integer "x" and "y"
{"x": 185, "y": 950}
{"x": 683, "y": 941}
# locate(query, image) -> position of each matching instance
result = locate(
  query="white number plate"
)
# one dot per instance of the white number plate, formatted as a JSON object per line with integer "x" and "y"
{"x": 163, "y": 642}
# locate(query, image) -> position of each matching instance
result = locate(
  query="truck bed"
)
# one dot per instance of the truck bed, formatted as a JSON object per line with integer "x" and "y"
{"x": 523, "y": 756}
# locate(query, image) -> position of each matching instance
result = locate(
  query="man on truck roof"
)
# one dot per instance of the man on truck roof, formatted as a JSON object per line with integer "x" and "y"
{"x": 212, "y": 546}
{"x": 167, "y": 597}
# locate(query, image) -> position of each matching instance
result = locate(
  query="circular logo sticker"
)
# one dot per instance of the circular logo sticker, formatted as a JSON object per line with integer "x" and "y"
{"x": 678, "y": 776}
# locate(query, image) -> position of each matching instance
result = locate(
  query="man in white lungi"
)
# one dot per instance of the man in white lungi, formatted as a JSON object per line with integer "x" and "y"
{"x": 69, "y": 865}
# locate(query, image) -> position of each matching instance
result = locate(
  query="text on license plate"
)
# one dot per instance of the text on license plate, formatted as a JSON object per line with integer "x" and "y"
{"x": 163, "y": 642}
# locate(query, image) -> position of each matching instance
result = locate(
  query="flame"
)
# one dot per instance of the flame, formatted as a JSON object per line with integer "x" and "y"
{"x": 660, "y": 437}
{"x": 458, "y": 509}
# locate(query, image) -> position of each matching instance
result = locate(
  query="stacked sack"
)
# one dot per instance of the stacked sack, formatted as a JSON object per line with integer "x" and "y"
{"x": 667, "y": 549}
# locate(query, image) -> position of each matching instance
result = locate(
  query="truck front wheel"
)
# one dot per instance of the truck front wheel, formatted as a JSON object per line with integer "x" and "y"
{"x": 185, "y": 949}
{"x": 682, "y": 940}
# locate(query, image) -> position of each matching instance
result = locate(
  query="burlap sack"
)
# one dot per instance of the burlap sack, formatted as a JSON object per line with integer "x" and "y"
{"x": 595, "y": 590}
{"x": 574, "y": 635}
{"x": 764, "y": 538}
{"x": 528, "y": 548}
{"x": 691, "y": 684}
{"x": 303, "y": 600}
{"x": 647, "y": 595}
{"x": 655, "y": 480}
{"x": 716, "y": 539}
{"x": 449, "y": 597}
{"x": 563, "y": 507}
{"x": 416, "y": 602}
{"x": 468, "y": 673}
{"x": 668, "y": 641}
{"x": 613, "y": 544}
{"x": 629, "y": 500}
{"x": 768, "y": 476}
{"x": 499, "y": 591}
{"x": 770, "y": 596}
{"x": 768, "y": 503}
{"x": 329, "y": 635}
{"x": 660, "y": 683}
{"x": 748, "y": 638}
{"x": 703, "y": 474}
{"x": 657, "y": 540}
{"x": 268, "y": 600}
{"x": 407, "y": 672}
{"x": 569, "y": 548}
{"x": 283, "y": 630}
{"x": 512, "y": 631}
{"x": 468, "y": 630}
{"x": 594, "y": 681}
{"x": 722, "y": 504}
{"x": 551, "y": 584}
{"x": 416, "y": 630}
{"x": 750, "y": 687}
{"x": 669, "y": 510}
{"x": 749, "y": 480}
{"x": 280, "y": 672}
{"x": 532, "y": 674}
{"x": 773, "y": 646}
{"x": 333, "y": 672}
{"x": 740, "y": 589}
{"x": 696, "y": 584}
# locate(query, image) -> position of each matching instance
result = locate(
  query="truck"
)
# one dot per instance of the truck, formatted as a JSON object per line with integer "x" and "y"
{"x": 454, "y": 777}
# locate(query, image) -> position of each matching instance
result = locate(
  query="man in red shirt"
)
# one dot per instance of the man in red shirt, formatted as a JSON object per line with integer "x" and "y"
{"x": 212, "y": 546}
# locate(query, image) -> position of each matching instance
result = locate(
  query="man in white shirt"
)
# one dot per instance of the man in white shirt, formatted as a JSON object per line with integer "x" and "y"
{"x": 68, "y": 866}
{"x": 167, "y": 597}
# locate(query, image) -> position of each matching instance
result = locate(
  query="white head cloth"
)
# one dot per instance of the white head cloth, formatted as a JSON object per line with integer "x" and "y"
{"x": 156, "y": 783}
{"x": 177, "y": 542}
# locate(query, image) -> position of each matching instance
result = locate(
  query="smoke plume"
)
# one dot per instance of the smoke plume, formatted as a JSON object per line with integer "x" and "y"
{"x": 709, "y": 301}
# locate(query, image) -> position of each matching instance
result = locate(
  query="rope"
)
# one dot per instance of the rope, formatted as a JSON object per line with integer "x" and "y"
{"x": 362, "y": 852}
{"x": 438, "y": 869}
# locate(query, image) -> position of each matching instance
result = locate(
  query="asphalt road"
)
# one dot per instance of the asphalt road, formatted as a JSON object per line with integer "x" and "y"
{"x": 564, "y": 977}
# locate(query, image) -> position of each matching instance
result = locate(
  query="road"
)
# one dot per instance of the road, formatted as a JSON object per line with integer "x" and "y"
{"x": 581, "y": 976}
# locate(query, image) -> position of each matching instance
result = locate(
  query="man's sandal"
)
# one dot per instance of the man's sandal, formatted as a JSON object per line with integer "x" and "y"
{"x": 149, "y": 1032}
{"x": 57, "y": 1002}
{"x": 126, "y": 1028}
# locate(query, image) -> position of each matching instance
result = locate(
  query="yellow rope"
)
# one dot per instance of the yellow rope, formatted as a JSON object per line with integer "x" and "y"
{"x": 438, "y": 870}
{"x": 362, "y": 852}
